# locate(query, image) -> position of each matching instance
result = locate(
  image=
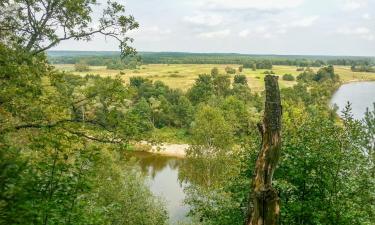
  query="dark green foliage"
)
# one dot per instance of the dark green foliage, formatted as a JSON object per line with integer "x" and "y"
{"x": 202, "y": 90}
{"x": 215, "y": 71}
{"x": 59, "y": 139}
{"x": 240, "y": 79}
{"x": 288, "y": 77}
{"x": 230, "y": 70}
{"x": 363, "y": 68}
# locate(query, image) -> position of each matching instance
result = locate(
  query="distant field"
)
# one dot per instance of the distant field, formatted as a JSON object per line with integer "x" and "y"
{"x": 182, "y": 76}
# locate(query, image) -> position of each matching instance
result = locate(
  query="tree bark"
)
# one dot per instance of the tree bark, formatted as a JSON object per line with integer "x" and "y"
{"x": 264, "y": 207}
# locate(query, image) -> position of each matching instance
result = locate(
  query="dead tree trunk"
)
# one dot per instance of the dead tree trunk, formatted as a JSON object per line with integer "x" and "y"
{"x": 265, "y": 208}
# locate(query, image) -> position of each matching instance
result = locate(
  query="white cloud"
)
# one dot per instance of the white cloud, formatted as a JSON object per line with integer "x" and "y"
{"x": 215, "y": 34}
{"x": 204, "y": 19}
{"x": 366, "y": 16}
{"x": 362, "y": 32}
{"x": 150, "y": 33}
{"x": 244, "y": 33}
{"x": 305, "y": 22}
{"x": 358, "y": 30}
{"x": 250, "y": 4}
{"x": 351, "y": 5}
{"x": 260, "y": 32}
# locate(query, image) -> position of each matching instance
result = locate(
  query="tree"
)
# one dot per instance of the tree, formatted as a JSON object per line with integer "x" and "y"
{"x": 221, "y": 85}
{"x": 214, "y": 71}
{"x": 240, "y": 69}
{"x": 40, "y": 25}
{"x": 230, "y": 70}
{"x": 265, "y": 208}
{"x": 288, "y": 77}
{"x": 240, "y": 79}
{"x": 202, "y": 90}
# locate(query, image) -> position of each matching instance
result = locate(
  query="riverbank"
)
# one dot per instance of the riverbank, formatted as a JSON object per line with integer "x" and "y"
{"x": 165, "y": 149}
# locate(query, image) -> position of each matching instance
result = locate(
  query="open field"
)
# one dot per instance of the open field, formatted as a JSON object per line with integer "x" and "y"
{"x": 182, "y": 76}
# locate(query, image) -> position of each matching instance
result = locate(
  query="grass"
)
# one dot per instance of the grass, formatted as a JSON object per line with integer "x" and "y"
{"x": 182, "y": 76}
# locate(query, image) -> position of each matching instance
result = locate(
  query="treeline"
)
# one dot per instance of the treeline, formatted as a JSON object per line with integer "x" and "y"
{"x": 363, "y": 68}
{"x": 195, "y": 58}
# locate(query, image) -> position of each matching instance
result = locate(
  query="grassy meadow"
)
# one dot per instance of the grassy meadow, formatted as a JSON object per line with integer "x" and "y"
{"x": 182, "y": 76}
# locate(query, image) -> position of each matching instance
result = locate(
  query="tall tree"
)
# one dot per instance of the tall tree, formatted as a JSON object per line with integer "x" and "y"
{"x": 265, "y": 208}
{"x": 40, "y": 25}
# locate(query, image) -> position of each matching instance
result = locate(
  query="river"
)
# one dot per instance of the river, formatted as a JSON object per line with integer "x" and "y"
{"x": 360, "y": 94}
{"x": 163, "y": 173}
{"x": 164, "y": 181}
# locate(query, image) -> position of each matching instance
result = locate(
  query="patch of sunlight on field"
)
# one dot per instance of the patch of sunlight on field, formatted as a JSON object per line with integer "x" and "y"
{"x": 182, "y": 76}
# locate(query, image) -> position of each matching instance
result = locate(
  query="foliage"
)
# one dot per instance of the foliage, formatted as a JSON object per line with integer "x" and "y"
{"x": 362, "y": 68}
{"x": 34, "y": 26}
{"x": 59, "y": 140}
{"x": 215, "y": 71}
{"x": 230, "y": 70}
{"x": 325, "y": 174}
{"x": 288, "y": 77}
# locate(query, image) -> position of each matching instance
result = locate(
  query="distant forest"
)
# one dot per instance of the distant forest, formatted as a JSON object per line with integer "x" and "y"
{"x": 112, "y": 59}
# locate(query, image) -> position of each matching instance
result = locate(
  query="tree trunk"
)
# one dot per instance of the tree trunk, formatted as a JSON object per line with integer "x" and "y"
{"x": 264, "y": 206}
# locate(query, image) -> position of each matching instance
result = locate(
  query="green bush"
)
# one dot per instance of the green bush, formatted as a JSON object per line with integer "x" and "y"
{"x": 288, "y": 77}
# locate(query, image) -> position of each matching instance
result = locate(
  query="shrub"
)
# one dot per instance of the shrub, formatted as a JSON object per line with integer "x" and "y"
{"x": 230, "y": 70}
{"x": 288, "y": 77}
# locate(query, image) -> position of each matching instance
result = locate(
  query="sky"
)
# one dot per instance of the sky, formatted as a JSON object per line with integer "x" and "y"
{"x": 283, "y": 27}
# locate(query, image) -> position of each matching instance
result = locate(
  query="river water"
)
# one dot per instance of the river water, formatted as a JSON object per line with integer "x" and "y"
{"x": 164, "y": 181}
{"x": 163, "y": 170}
{"x": 360, "y": 94}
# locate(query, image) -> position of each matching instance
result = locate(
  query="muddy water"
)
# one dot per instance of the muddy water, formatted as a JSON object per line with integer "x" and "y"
{"x": 164, "y": 181}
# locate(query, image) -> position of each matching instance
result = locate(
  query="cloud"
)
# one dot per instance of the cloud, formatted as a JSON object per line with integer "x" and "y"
{"x": 362, "y": 32}
{"x": 260, "y": 32}
{"x": 305, "y": 22}
{"x": 366, "y": 16}
{"x": 351, "y": 5}
{"x": 214, "y": 34}
{"x": 244, "y": 33}
{"x": 151, "y": 33}
{"x": 204, "y": 19}
{"x": 250, "y": 4}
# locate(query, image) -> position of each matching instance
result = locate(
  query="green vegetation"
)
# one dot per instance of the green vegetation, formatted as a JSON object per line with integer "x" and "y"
{"x": 324, "y": 175}
{"x": 363, "y": 68}
{"x": 65, "y": 135}
{"x": 288, "y": 77}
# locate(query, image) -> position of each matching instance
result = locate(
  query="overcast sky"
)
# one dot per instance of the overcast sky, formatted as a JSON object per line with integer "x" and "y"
{"x": 314, "y": 27}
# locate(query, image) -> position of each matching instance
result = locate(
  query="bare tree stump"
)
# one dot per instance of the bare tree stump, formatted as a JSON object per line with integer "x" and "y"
{"x": 265, "y": 203}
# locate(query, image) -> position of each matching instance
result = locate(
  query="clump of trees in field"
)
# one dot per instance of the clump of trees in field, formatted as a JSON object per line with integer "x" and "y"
{"x": 363, "y": 68}
{"x": 230, "y": 70}
{"x": 288, "y": 77}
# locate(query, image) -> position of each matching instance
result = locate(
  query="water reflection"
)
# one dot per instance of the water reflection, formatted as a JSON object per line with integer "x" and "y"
{"x": 163, "y": 173}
